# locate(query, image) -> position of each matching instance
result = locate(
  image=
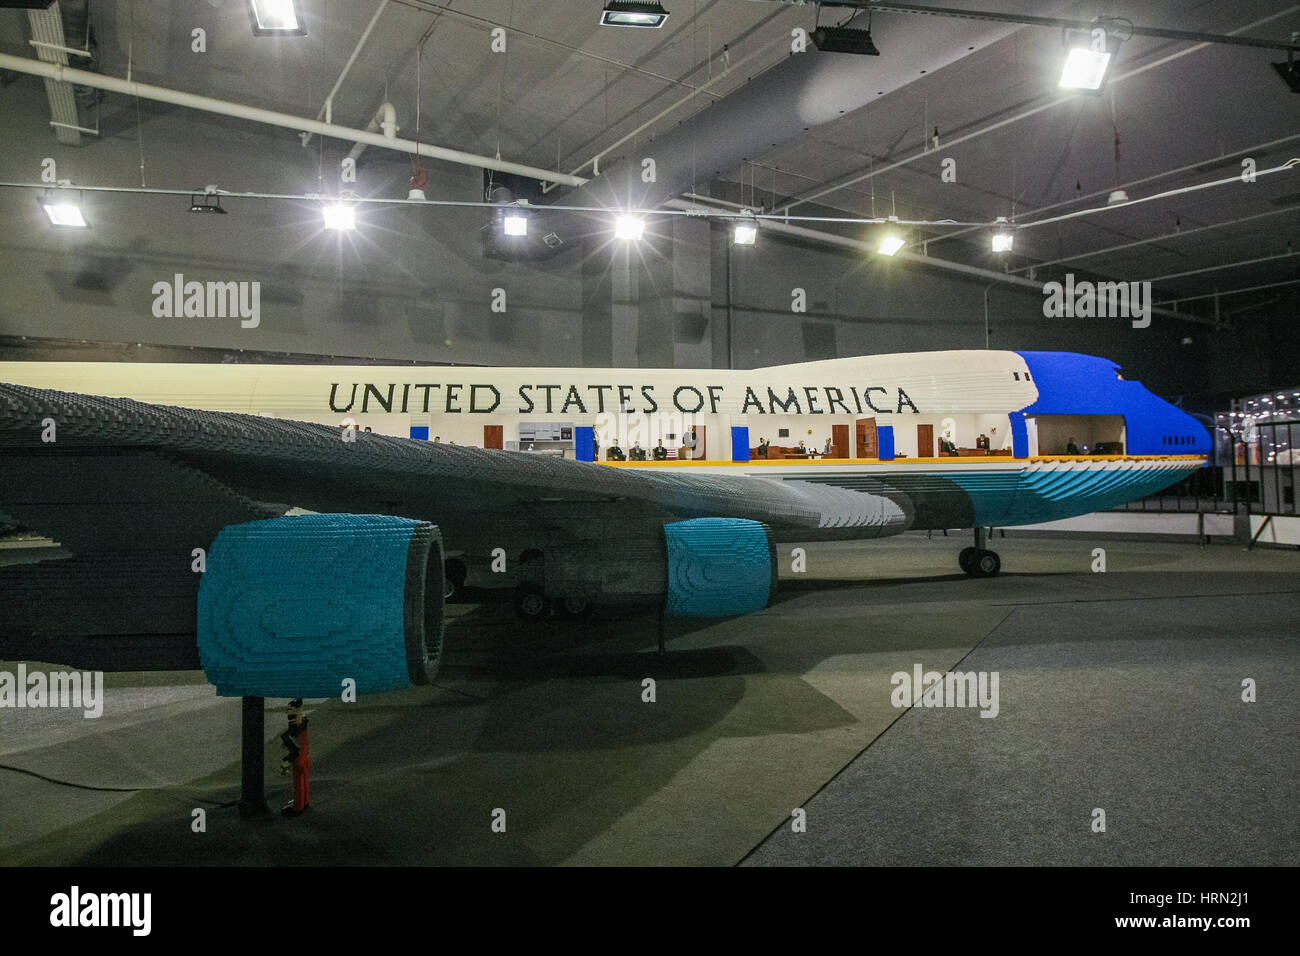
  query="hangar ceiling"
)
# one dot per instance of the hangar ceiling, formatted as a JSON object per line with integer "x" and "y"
{"x": 567, "y": 88}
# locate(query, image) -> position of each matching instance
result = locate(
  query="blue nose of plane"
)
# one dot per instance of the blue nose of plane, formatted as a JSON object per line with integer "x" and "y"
{"x": 1069, "y": 383}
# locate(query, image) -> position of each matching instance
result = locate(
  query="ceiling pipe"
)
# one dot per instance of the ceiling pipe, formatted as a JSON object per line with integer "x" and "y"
{"x": 1231, "y": 39}
{"x": 54, "y": 71}
{"x": 385, "y": 118}
{"x": 327, "y": 108}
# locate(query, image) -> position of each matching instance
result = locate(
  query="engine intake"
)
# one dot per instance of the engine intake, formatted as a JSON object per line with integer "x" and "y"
{"x": 719, "y": 567}
{"x": 290, "y": 607}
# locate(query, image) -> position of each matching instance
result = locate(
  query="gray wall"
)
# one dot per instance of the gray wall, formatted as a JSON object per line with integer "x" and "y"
{"x": 413, "y": 283}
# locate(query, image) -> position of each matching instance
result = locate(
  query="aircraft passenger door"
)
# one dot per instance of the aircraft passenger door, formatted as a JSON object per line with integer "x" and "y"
{"x": 840, "y": 438}
{"x": 492, "y": 436}
{"x": 1031, "y": 433}
{"x": 924, "y": 441}
{"x": 693, "y": 435}
{"x": 867, "y": 446}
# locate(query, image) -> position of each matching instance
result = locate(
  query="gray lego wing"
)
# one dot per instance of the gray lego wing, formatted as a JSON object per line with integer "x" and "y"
{"x": 312, "y": 466}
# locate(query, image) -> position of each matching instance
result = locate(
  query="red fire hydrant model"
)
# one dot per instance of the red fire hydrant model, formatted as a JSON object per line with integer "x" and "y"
{"x": 297, "y": 759}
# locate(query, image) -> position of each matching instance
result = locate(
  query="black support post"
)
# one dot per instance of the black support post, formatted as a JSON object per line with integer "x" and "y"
{"x": 252, "y": 794}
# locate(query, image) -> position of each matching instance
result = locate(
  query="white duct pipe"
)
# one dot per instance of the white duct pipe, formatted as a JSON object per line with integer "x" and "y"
{"x": 65, "y": 74}
{"x": 327, "y": 108}
{"x": 385, "y": 117}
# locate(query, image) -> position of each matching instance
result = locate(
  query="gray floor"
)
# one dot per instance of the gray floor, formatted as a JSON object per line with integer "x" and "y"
{"x": 1118, "y": 690}
{"x": 1131, "y": 706}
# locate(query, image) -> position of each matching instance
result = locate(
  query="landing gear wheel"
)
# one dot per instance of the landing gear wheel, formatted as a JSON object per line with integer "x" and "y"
{"x": 531, "y": 604}
{"x": 575, "y": 607}
{"x": 987, "y": 564}
{"x": 966, "y": 559}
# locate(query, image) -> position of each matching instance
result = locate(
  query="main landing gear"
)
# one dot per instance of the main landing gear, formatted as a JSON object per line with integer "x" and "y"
{"x": 978, "y": 561}
{"x": 533, "y": 605}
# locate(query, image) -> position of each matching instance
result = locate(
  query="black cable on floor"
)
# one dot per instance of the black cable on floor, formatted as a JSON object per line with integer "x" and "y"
{"x": 77, "y": 786}
{"x": 220, "y": 805}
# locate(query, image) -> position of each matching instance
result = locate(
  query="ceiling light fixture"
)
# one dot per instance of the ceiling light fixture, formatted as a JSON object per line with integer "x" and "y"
{"x": 1088, "y": 59}
{"x": 629, "y": 227}
{"x": 275, "y": 18}
{"x": 515, "y": 224}
{"x": 339, "y": 216}
{"x": 890, "y": 240}
{"x": 745, "y": 230}
{"x": 1003, "y": 238}
{"x": 207, "y": 201}
{"x": 631, "y": 13}
{"x": 415, "y": 189}
{"x": 890, "y": 244}
{"x": 61, "y": 212}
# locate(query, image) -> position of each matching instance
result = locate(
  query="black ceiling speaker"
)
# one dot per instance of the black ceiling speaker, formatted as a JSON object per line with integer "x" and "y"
{"x": 844, "y": 40}
{"x": 1290, "y": 73}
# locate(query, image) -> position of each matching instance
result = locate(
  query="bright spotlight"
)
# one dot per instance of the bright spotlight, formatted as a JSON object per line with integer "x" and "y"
{"x": 1088, "y": 60}
{"x": 340, "y": 216}
{"x": 745, "y": 234}
{"x": 890, "y": 245}
{"x": 275, "y": 16}
{"x": 515, "y": 225}
{"x": 64, "y": 214}
{"x": 1084, "y": 69}
{"x": 629, "y": 227}
{"x": 1002, "y": 241}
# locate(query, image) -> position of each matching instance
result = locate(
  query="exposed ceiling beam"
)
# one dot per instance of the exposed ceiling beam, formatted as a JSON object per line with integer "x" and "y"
{"x": 1166, "y": 237}
{"x": 1189, "y": 36}
{"x": 1223, "y": 266}
{"x": 47, "y": 37}
{"x": 858, "y": 245}
{"x": 1216, "y": 295}
{"x": 1024, "y": 114}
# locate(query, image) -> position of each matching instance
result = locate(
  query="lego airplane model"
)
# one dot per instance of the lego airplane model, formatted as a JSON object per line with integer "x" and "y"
{"x": 283, "y": 527}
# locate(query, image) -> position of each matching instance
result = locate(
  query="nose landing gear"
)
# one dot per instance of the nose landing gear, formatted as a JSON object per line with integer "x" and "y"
{"x": 979, "y": 562}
